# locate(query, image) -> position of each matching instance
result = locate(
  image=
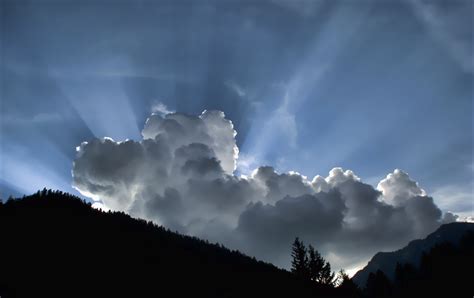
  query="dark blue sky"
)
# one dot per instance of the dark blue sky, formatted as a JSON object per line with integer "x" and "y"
{"x": 309, "y": 85}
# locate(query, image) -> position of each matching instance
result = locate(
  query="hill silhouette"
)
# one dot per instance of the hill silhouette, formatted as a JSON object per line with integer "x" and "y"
{"x": 55, "y": 245}
{"x": 412, "y": 254}
{"x": 445, "y": 270}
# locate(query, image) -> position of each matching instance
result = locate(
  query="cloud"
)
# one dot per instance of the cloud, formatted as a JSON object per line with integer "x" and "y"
{"x": 246, "y": 163}
{"x": 398, "y": 187}
{"x": 181, "y": 175}
{"x": 160, "y": 108}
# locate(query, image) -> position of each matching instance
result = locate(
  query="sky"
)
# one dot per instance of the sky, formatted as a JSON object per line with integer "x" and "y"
{"x": 309, "y": 86}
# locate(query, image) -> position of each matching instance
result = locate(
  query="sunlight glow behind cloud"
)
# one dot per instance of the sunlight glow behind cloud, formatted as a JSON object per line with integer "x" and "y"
{"x": 181, "y": 175}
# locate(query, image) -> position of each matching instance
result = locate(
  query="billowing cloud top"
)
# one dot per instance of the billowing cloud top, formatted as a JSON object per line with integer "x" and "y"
{"x": 181, "y": 175}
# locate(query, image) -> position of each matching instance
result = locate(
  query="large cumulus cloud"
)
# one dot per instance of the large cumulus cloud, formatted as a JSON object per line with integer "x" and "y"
{"x": 181, "y": 175}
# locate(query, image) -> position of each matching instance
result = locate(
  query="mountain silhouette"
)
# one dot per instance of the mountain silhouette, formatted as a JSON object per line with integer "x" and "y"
{"x": 386, "y": 262}
{"x": 55, "y": 245}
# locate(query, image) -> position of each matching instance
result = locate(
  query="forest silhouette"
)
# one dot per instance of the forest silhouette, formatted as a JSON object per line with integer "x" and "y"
{"x": 445, "y": 271}
{"x": 53, "y": 244}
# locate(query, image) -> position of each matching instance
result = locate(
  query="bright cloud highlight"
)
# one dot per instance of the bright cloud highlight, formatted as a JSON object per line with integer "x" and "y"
{"x": 181, "y": 175}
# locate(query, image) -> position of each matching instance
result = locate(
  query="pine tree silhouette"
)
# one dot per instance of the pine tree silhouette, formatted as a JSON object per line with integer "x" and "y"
{"x": 315, "y": 263}
{"x": 319, "y": 269}
{"x": 345, "y": 286}
{"x": 378, "y": 285}
{"x": 309, "y": 264}
{"x": 299, "y": 263}
{"x": 327, "y": 276}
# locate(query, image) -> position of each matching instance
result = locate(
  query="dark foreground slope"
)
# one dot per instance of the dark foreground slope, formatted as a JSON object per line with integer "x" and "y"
{"x": 386, "y": 262}
{"x": 55, "y": 245}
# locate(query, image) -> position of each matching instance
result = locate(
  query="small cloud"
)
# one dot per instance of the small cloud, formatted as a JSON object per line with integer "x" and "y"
{"x": 161, "y": 108}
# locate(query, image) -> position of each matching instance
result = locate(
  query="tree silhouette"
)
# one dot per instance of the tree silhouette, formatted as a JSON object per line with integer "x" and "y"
{"x": 315, "y": 264}
{"x": 327, "y": 276}
{"x": 378, "y": 285}
{"x": 345, "y": 286}
{"x": 405, "y": 274}
{"x": 299, "y": 263}
{"x": 309, "y": 264}
{"x": 340, "y": 277}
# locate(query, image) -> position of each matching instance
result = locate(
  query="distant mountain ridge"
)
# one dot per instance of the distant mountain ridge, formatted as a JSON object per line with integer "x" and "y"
{"x": 387, "y": 261}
